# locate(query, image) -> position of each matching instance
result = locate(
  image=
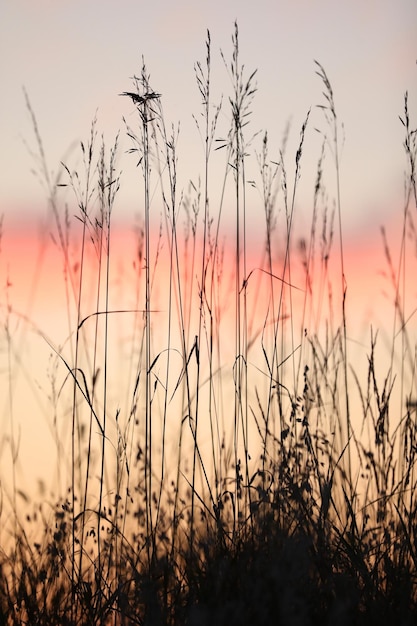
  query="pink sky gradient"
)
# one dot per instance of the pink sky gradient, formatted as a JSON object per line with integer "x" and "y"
{"x": 33, "y": 265}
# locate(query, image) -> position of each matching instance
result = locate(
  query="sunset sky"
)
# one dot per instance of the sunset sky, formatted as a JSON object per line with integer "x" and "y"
{"x": 74, "y": 58}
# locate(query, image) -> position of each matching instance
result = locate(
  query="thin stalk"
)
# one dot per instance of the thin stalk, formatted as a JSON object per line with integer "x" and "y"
{"x": 333, "y": 123}
{"x": 146, "y": 113}
{"x": 243, "y": 92}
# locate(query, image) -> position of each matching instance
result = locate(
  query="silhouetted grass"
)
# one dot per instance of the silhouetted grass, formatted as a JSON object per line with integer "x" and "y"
{"x": 244, "y": 473}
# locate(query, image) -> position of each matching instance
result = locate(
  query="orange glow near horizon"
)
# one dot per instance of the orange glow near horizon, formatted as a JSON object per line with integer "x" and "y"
{"x": 35, "y": 312}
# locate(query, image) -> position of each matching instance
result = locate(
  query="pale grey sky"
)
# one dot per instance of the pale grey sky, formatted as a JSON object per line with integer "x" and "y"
{"x": 74, "y": 57}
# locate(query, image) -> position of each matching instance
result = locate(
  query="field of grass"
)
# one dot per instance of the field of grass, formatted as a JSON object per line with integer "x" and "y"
{"x": 228, "y": 463}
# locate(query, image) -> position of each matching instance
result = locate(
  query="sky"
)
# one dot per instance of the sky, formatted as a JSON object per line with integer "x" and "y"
{"x": 74, "y": 57}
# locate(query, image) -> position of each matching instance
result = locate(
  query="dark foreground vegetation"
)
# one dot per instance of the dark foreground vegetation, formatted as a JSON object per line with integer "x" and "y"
{"x": 266, "y": 485}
